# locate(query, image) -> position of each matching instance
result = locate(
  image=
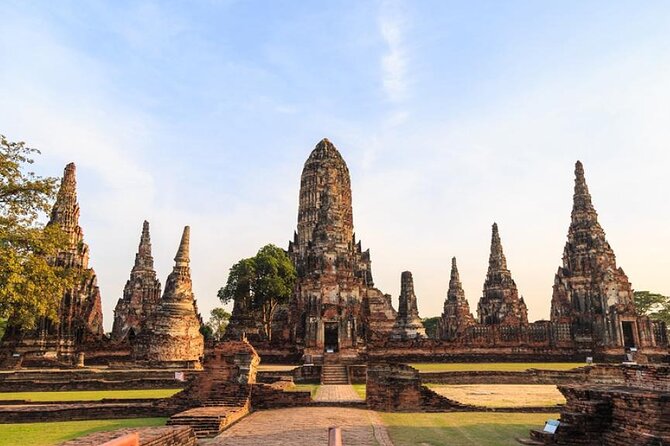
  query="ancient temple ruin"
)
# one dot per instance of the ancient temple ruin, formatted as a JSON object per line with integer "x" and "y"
{"x": 408, "y": 324}
{"x": 456, "y": 317}
{"x": 335, "y": 306}
{"x": 591, "y": 294}
{"x": 171, "y": 335}
{"x": 140, "y": 295}
{"x": 80, "y": 312}
{"x": 500, "y": 302}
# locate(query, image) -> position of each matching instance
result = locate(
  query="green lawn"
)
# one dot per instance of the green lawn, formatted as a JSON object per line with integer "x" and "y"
{"x": 311, "y": 388}
{"x": 495, "y": 366}
{"x": 88, "y": 395}
{"x": 360, "y": 389}
{"x": 461, "y": 428}
{"x": 44, "y": 434}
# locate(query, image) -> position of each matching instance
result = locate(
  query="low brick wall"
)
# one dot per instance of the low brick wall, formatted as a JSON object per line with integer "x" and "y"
{"x": 38, "y": 413}
{"x": 398, "y": 388}
{"x": 268, "y": 397}
{"x": 90, "y": 379}
{"x": 149, "y": 436}
{"x": 533, "y": 376}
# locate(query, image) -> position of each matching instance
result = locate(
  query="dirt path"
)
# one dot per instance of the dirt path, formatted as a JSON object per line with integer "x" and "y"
{"x": 337, "y": 392}
{"x": 305, "y": 426}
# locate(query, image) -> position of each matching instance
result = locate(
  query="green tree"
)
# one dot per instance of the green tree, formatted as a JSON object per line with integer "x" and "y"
{"x": 260, "y": 284}
{"x": 218, "y": 321}
{"x": 430, "y": 324}
{"x": 654, "y": 305}
{"x": 30, "y": 285}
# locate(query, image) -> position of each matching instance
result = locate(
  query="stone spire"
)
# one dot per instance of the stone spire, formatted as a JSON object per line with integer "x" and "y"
{"x": 141, "y": 293}
{"x": 455, "y": 292}
{"x": 182, "y": 259}
{"x": 172, "y": 334}
{"x": 334, "y": 285}
{"x": 497, "y": 260}
{"x": 589, "y": 285}
{"x": 80, "y": 312}
{"x": 408, "y": 324}
{"x": 65, "y": 212}
{"x": 325, "y": 197}
{"x": 500, "y": 299}
{"x": 456, "y": 316}
{"x": 144, "y": 261}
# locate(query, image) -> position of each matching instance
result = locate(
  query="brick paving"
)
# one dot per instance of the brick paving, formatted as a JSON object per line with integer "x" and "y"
{"x": 305, "y": 426}
{"x": 336, "y": 392}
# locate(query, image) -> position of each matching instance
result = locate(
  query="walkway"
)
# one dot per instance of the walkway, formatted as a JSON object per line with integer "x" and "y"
{"x": 305, "y": 426}
{"x": 336, "y": 393}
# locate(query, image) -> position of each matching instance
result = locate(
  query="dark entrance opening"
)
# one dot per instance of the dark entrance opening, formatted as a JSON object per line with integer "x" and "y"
{"x": 330, "y": 336}
{"x": 628, "y": 334}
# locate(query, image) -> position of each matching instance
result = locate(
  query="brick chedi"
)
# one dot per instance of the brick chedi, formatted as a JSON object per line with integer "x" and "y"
{"x": 172, "y": 335}
{"x": 80, "y": 311}
{"x": 500, "y": 302}
{"x": 408, "y": 324}
{"x": 590, "y": 292}
{"x": 140, "y": 295}
{"x": 456, "y": 316}
{"x": 335, "y": 305}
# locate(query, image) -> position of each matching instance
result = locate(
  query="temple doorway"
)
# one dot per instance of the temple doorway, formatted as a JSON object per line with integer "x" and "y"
{"x": 330, "y": 337}
{"x": 628, "y": 334}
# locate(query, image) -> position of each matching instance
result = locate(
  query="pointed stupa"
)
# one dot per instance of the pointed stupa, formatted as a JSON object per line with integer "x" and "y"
{"x": 589, "y": 284}
{"x": 141, "y": 293}
{"x": 456, "y": 316}
{"x": 172, "y": 335}
{"x": 455, "y": 292}
{"x": 183, "y": 253}
{"x": 65, "y": 212}
{"x": 500, "y": 301}
{"x": 79, "y": 313}
{"x": 408, "y": 324}
{"x": 325, "y": 197}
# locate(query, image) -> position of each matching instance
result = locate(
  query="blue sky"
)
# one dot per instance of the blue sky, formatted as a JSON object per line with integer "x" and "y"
{"x": 451, "y": 115}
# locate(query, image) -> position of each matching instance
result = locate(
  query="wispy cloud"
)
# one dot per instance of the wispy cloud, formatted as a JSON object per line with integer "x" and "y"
{"x": 392, "y": 26}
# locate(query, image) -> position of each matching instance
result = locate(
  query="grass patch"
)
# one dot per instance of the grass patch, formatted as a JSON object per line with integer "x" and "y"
{"x": 88, "y": 395}
{"x": 311, "y": 388}
{"x": 495, "y": 366}
{"x": 360, "y": 389}
{"x": 44, "y": 434}
{"x": 502, "y": 395}
{"x": 461, "y": 428}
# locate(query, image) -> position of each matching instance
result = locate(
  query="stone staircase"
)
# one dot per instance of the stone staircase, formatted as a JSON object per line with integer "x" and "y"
{"x": 332, "y": 373}
{"x": 223, "y": 406}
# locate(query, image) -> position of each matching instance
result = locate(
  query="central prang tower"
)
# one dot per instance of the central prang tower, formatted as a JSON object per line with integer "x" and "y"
{"x": 335, "y": 306}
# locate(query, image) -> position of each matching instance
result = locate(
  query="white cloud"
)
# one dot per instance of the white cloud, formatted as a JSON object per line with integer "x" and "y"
{"x": 392, "y": 26}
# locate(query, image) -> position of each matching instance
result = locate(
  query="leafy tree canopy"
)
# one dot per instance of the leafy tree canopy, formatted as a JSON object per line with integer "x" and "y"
{"x": 218, "y": 321}
{"x": 30, "y": 286}
{"x": 430, "y": 324}
{"x": 654, "y": 305}
{"x": 260, "y": 284}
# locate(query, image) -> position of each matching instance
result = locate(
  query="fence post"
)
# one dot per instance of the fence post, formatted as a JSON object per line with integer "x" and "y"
{"x": 334, "y": 436}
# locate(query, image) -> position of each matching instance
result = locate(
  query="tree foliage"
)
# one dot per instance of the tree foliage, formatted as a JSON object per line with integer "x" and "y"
{"x": 654, "y": 305}
{"x": 218, "y": 321}
{"x": 430, "y": 324}
{"x": 30, "y": 285}
{"x": 260, "y": 284}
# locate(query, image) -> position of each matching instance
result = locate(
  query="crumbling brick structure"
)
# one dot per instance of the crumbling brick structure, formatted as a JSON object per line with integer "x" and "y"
{"x": 618, "y": 406}
{"x": 141, "y": 294}
{"x": 79, "y": 319}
